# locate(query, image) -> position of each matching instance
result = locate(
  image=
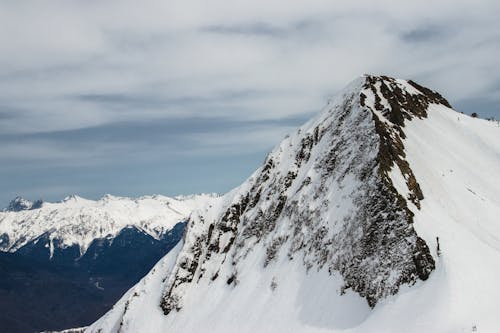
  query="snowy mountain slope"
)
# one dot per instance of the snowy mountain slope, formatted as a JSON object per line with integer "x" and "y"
{"x": 78, "y": 221}
{"x": 378, "y": 215}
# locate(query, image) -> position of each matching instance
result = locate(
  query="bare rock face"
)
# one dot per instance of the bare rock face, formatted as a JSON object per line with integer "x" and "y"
{"x": 19, "y": 204}
{"x": 325, "y": 196}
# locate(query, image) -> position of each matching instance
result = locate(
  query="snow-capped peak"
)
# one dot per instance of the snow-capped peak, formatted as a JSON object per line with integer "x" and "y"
{"x": 73, "y": 197}
{"x": 384, "y": 200}
{"x": 19, "y": 203}
{"x": 78, "y": 221}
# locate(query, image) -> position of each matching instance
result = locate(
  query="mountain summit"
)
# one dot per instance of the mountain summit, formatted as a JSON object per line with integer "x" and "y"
{"x": 19, "y": 203}
{"x": 378, "y": 215}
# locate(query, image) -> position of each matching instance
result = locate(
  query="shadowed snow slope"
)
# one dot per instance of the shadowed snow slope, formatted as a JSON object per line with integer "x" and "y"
{"x": 378, "y": 215}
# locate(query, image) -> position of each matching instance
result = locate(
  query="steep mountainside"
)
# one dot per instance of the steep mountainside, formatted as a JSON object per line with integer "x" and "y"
{"x": 69, "y": 262}
{"x": 378, "y": 215}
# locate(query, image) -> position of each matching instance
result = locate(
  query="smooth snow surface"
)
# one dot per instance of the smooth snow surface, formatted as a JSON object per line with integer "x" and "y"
{"x": 456, "y": 161}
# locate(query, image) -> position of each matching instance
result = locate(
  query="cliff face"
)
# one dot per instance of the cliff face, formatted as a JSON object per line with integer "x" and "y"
{"x": 324, "y": 197}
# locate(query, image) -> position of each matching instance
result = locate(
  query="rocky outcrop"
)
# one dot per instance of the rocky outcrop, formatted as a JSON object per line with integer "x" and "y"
{"x": 19, "y": 204}
{"x": 325, "y": 196}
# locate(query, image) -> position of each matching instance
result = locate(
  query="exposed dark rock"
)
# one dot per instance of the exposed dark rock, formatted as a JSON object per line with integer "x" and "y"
{"x": 374, "y": 247}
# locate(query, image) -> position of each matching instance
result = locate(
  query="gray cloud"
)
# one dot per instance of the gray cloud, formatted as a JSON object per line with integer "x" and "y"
{"x": 135, "y": 101}
{"x": 94, "y": 83}
{"x": 5, "y": 113}
{"x": 257, "y": 29}
{"x": 426, "y": 34}
{"x": 151, "y": 132}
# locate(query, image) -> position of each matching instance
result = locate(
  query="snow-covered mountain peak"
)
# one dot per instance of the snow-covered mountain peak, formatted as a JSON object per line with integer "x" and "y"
{"x": 377, "y": 215}
{"x": 73, "y": 198}
{"x": 78, "y": 221}
{"x": 397, "y": 100}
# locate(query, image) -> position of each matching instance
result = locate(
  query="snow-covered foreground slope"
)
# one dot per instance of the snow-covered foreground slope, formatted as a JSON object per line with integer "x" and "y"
{"x": 78, "y": 221}
{"x": 379, "y": 215}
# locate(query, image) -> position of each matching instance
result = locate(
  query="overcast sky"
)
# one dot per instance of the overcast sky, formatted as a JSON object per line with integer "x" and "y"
{"x": 175, "y": 97}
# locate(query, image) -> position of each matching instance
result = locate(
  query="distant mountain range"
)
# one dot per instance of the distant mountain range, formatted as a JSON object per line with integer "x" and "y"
{"x": 65, "y": 264}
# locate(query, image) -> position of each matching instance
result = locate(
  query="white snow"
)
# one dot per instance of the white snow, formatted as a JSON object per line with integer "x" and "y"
{"x": 456, "y": 161}
{"x": 78, "y": 221}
